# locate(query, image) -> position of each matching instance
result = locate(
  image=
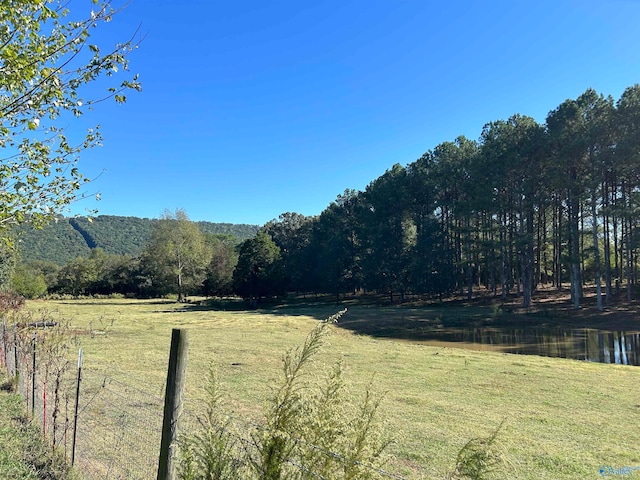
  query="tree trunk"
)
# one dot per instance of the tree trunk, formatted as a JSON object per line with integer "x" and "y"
{"x": 574, "y": 238}
{"x": 596, "y": 249}
{"x": 606, "y": 244}
{"x": 503, "y": 261}
{"x": 180, "y": 291}
{"x": 528, "y": 260}
{"x": 467, "y": 255}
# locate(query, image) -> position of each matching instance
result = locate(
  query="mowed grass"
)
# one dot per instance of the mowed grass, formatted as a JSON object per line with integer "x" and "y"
{"x": 563, "y": 419}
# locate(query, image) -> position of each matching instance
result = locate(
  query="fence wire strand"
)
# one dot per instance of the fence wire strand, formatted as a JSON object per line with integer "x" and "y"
{"x": 119, "y": 421}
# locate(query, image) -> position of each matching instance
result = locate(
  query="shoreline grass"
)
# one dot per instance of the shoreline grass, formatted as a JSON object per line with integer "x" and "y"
{"x": 563, "y": 419}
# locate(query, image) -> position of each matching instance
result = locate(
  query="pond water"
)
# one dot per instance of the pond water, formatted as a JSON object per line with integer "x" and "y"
{"x": 581, "y": 344}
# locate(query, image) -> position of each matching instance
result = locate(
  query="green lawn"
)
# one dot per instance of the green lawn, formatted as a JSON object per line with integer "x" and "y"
{"x": 563, "y": 419}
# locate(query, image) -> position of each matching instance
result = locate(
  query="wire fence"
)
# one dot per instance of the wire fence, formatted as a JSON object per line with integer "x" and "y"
{"x": 106, "y": 423}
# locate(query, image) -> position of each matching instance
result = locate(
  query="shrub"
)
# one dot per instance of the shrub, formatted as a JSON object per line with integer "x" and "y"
{"x": 28, "y": 283}
{"x": 478, "y": 458}
{"x": 308, "y": 432}
{"x": 10, "y": 302}
{"x": 210, "y": 452}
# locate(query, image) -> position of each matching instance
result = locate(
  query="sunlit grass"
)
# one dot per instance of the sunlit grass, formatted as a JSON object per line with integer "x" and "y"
{"x": 563, "y": 419}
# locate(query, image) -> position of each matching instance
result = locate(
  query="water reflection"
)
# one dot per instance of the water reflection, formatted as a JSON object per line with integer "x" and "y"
{"x": 582, "y": 344}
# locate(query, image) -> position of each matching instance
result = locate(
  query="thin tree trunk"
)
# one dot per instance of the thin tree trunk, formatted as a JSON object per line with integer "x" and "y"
{"x": 503, "y": 260}
{"x": 617, "y": 263}
{"x": 596, "y": 249}
{"x": 626, "y": 241}
{"x": 607, "y": 244}
{"x": 576, "y": 281}
{"x": 468, "y": 260}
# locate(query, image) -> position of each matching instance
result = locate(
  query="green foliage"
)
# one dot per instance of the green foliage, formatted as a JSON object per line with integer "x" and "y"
{"x": 57, "y": 242}
{"x": 76, "y": 277}
{"x": 390, "y": 235}
{"x": 239, "y": 231}
{"x": 7, "y": 265}
{"x": 69, "y": 238}
{"x": 257, "y": 275}
{"x": 224, "y": 258}
{"x": 115, "y": 235}
{"x": 527, "y": 204}
{"x": 312, "y": 429}
{"x": 177, "y": 255}
{"x": 285, "y": 415}
{"x": 28, "y": 282}
{"x": 48, "y": 270}
{"x": 478, "y": 458}
{"x": 291, "y": 233}
{"x": 24, "y": 454}
{"x": 44, "y": 69}
{"x": 211, "y": 452}
{"x": 99, "y": 274}
{"x": 337, "y": 245}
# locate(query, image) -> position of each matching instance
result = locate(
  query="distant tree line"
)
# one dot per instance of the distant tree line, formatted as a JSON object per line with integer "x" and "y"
{"x": 524, "y": 205}
{"x": 178, "y": 259}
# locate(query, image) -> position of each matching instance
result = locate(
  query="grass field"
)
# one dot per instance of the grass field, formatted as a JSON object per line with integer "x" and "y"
{"x": 563, "y": 419}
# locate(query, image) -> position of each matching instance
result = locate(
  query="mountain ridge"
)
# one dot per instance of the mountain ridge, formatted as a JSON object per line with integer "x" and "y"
{"x": 68, "y": 238}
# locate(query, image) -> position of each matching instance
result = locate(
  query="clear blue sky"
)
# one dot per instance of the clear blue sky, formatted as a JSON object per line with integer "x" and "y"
{"x": 254, "y": 108}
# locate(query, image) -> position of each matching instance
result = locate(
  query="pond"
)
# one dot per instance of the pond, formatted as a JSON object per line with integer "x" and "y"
{"x": 581, "y": 344}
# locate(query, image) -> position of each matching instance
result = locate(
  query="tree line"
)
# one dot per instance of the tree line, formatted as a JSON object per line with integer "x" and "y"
{"x": 177, "y": 258}
{"x": 526, "y": 204}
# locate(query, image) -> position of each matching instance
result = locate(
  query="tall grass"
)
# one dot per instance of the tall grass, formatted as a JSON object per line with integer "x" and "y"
{"x": 24, "y": 453}
{"x": 211, "y": 452}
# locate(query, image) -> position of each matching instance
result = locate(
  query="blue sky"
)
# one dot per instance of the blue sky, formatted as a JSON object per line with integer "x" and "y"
{"x": 254, "y": 108}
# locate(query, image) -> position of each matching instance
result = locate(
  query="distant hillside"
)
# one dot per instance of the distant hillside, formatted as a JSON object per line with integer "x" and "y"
{"x": 69, "y": 238}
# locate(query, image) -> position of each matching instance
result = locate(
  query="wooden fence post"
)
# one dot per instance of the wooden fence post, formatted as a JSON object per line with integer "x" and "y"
{"x": 4, "y": 344}
{"x": 173, "y": 403}
{"x": 33, "y": 375}
{"x": 75, "y": 415}
{"x": 16, "y": 371}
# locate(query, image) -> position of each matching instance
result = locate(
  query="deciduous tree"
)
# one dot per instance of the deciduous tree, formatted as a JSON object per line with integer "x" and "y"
{"x": 224, "y": 258}
{"x": 47, "y": 59}
{"x": 177, "y": 255}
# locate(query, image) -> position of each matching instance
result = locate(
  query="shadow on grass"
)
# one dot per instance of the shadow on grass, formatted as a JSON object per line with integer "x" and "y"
{"x": 217, "y": 305}
{"x": 109, "y": 303}
{"x": 418, "y": 320}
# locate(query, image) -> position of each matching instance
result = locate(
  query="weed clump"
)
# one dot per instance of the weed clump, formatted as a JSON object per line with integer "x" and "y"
{"x": 312, "y": 427}
{"x": 478, "y": 458}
